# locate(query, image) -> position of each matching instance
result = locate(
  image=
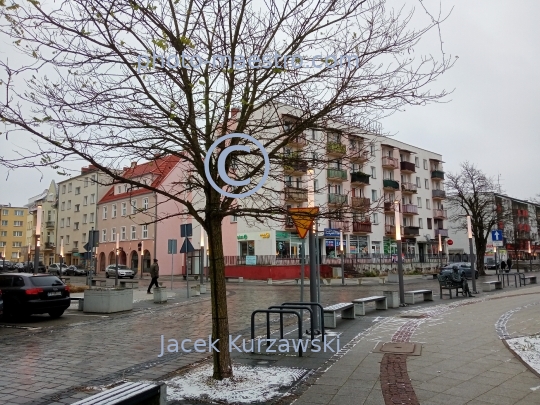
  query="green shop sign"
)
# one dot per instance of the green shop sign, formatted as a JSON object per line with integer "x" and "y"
{"x": 282, "y": 235}
{"x": 241, "y": 237}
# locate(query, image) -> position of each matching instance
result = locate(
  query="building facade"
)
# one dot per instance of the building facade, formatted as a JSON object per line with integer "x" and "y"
{"x": 13, "y": 232}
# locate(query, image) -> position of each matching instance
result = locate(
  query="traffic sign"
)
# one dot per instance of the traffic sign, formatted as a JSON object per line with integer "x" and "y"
{"x": 186, "y": 231}
{"x": 497, "y": 237}
{"x": 187, "y": 247}
{"x": 450, "y": 242}
{"x": 171, "y": 246}
{"x": 303, "y": 219}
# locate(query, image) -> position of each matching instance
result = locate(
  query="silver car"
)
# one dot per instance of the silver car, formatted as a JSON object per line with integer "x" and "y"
{"x": 123, "y": 271}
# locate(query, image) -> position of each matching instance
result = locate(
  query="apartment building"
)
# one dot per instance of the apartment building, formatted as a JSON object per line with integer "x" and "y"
{"x": 13, "y": 232}
{"x": 48, "y": 225}
{"x": 78, "y": 212}
{"x": 365, "y": 175}
{"x": 31, "y": 221}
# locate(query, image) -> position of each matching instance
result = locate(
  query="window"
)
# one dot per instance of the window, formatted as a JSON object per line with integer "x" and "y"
{"x": 5, "y": 212}
{"x": 68, "y": 221}
{"x": 104, "y": 216}
{"x": 83, "y": 236}
{"x": 119, "y": 190}
{"x": 19, "y": 213}
{"x": 77, "y": 190}
{"x": 76, "y": 226}
{"x": 18, "y": 223}
{"x": 67, "y": 240}
{"x": 145, "y": 231}
{"x": 17, "y": 244}
{"x": 426, "y": 184}
{"x": 104, "y": 235}
{"x": 86, "y": 182}
{"x": 125, "y": 188}
{"x": 421, "y": 223}
{"x": 429, "y": 225}
{"x": 375, "y": 218}
{"x": 3, "y": 233}
{"x": 69, "y": 204}
{"x": 123, "y": 233}
{"x": 373, "y": 172}
{"x": 91, "y": 217}
{"x": 85, "y": 218}
{"x": 124, "y": 209}
{"x": 428, "y": 204}
{"x": 133, "y": 232}
{"x": 93, "y": 177}
{"x": 17, "y": 234}
{"x": 418, "y": 183}
{"x": 64, "y": 189}
{"x": 145, "y": 204}
{"x": 313, "y": 134}
{"x": 373, "y": 195}
{"x": 419, "y": 202}
{"x": 2, "y": 244}
{"x": 133, "y": 206}
{"x": 62, "y": 223}
{"x": 77, "y": 207}
{"x": 113, "y": 214}
{"x": 63, "y": 206}
{"x": 315, "y": 185}
{"x": 92, "y": 198}
{"x": 70, "y": 187}
{"x": 372, "y": 149}
{"x": 15, "y": 255}
{"x": 113, "y": 235}
{"x": 417, "y": 161}
{"x": 76, "y": 243}
{"x": 234, "y": 218}
{"x": 425, "y": 164}
{"x": 85, "y": 200}
{"x": 4, "y": 222}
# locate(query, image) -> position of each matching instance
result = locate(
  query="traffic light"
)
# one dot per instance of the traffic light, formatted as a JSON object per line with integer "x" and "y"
{"x": 139, "y": 246}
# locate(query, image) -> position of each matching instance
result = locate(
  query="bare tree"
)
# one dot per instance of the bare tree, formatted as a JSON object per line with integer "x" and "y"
{"x": 117, "y": 79}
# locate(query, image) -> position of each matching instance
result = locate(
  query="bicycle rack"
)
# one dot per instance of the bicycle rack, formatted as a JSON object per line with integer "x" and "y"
{"x": 276, "y": 311}
{"x": 311, "y": 303}
{"x": 293, "y": 307}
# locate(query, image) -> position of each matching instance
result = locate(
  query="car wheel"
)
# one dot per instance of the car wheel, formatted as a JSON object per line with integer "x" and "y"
{"x": 106, "y": 275}
{"x": 57, "y": 313}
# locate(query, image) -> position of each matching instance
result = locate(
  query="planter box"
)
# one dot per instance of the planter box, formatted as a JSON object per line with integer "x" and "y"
{"x": 160, "y": 295}
{"x": 393, "y": 277}
{"x": 108, "y": 300}
{"x": 203, "y": 288}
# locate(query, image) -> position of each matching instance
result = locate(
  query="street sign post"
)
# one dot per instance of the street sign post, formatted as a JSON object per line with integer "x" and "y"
{"x": 497, "y": 237}
{"x": 172, "y": 246}
{"x": 186, "y": 248}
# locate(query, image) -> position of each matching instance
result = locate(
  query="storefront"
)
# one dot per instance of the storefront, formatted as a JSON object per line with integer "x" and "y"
{"x": 288, "y": 244}
{"x": 332, "y": 242}
{"x": 359, "y": 246}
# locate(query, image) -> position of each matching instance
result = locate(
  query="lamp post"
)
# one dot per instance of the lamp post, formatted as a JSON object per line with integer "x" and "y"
{"x": 440, "y": 250}
{"x": 28, "y": 266}
{"x": 4, "y": 259}
{"x": 530, "y": 255}
{"x": 342, "y": 257}
{"x": 201, "y": 258}
{"x": 400, "y": 258}
{"x": 142, "y": 259}
{"x": 496, "y": 265}
{"x": 117, "y": 253}
{"x": 473, "y": 272}
{"x": 61, "y": 255}
{"x": 38, "y": 234}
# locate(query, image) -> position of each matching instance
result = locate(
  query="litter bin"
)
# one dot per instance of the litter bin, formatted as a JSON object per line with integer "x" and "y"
{"x": 160, "y": 295}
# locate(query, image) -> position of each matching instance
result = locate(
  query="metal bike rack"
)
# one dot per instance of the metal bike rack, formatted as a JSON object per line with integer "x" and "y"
{"x": 292, "y": 307}
{"x": 310, "y": 303}
{"x": 276, "y": 311}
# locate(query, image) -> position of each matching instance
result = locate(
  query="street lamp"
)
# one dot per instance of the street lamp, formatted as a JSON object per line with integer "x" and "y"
{"x": 117, "y": 253}
{"x": 201, "y": 259}
{"x": 342, "y": 257}
{"x": 400, "y": 258}
{"x": 38, "y": 234}
{"x": 473, "y": 272}
{"x": 28, "y": 266}
{"x": 496, "y": 265}
{"x": 61, "y": 254}
{"x": 4, "y": 259}
{"x": 440, "y": 249}
{"x": 530, "y": 255}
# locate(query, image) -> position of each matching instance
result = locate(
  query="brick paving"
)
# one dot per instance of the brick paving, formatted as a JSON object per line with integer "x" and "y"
{"x": 395, "y": 382}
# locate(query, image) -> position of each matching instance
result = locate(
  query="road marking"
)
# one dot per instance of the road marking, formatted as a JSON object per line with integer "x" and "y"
{"x": 20, "y": 327}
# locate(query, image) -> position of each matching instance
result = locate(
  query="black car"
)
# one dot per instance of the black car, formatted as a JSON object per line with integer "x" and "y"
{"x": 75, "y": 271}
{"x": 1, "y": 303}
{"x": 30, "y": 269}
{"x": 464, "y": 268}
{"x": 26, "y": 294}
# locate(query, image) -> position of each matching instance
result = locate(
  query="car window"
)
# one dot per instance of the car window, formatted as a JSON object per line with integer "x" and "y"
{"x": 18, "y": 281}
{"x": 46, "y": 281}
{"x": 5, "y": 281}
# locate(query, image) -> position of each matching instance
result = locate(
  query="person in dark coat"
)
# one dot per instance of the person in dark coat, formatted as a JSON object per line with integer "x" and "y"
{"x": 503, "y": 266}
{"x": 509, "y": 263}
{"x": 460, "y": 279}
{"x": 154, "y": 273}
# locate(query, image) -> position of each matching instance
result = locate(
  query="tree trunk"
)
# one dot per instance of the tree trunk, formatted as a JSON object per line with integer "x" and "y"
{"x": 480, "y": 253}
{"x": 220, "y": 321}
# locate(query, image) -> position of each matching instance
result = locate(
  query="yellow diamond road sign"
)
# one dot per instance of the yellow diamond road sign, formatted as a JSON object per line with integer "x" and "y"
{"x": 303, "y": 219}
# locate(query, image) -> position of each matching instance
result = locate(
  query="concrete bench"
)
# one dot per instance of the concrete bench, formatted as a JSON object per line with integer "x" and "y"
{"x": 493, "y": 285}
{"x": 330, "y": 313}
{"x": 129, "y": 393}
{"x": 532, "y": 280}
{"x": 195, "y": 289}
{"x": 132, "y": 284}
{"x": 98, "y": 282}
{"x": 360, "y": 304}
{"x": 239, "y": 279}
{"x": 412, "y": 297}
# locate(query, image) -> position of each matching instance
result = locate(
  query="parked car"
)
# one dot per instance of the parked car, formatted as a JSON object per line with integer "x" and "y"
{"x": 123, "y": 271}
{"x": 6, "y": 265}
{"x": 464, "y": 268}
{"x": 26, "y": 294}
{"x": 490, "y": 264}
{"x": 1, "y": 304}
{"x": 55, "y": 269}
{"x": 75, "y": 271}
{"x": 30, "y": 269}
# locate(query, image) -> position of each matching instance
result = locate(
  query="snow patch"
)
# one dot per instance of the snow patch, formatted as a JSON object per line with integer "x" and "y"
{"x": 528, "y": 348}
{"x": 249, "y": 384}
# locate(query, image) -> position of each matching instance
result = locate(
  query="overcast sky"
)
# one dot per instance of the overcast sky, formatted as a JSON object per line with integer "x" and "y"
{"x": 491, "y": 119}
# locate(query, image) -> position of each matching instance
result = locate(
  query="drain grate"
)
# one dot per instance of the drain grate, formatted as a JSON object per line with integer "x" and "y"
{"x": 407, "y": 348}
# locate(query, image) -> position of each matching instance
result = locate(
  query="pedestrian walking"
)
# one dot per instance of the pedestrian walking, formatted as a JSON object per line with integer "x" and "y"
{"x": 503, "y": 266}
{"x": 509, "y": 263}
{"x": 154, "y": 273}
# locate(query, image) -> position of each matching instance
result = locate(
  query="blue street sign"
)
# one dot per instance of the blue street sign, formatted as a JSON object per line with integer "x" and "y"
{"x": 172, "y": 246}
{"x": 331, "y": 232}
{"x": 187, "y": 247}
{"x": 496, "y": 235}
{"x": 186, "y": 231}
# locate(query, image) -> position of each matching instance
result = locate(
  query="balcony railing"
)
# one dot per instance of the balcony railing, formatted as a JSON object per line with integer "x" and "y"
{"x": 437, "y": 174}
{"x": 335, "y": 148}
{"x": 411, "y": 231}
{"x": 336, "y": 174}
{"x": 360, "y": 178}
{"x": 442, "y": 232}
{"x": 437, "y": 213}
{"x": 337, "y": 199}
{"x": 299, "y": 141}
{"x": 296, "y": 194}
{"x": 407, "y": 187}
{"x": 49, "y": 245}
{"x": 361, "y": 227}
{"x": 408, "y": 167}
{"x": 409, "y": 209}
{"x": 343, "y": 225}
{"x": 389, "y": 206}
{"x": 359, "y": 156}
{"x": 390, "y": 162}
{"x": 391, "y": 184}
{"x": 438, "y": 194}
{"x": 294, "y": 165}
{"x": 390, "y": 230}
{"x": 49, "y": 224}
{"x": 360, "y": 203}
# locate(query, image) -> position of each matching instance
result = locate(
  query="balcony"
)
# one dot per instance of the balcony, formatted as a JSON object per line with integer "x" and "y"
{"x": 361, "y": 203}
{"x": 49, "y": 224}
{"x": 411, "y": 231}
{"x": 336, "y": 174}
{"x": 523, "y": 235}
{"x": 523, "y": 227}
{"x": 389, "y": 162}
{"x": 410, "y": 188}
{"x": 337, "y": 199}
{"x": 343, "y": 225}
{"x": 298, "y": 141}
{"x": 442, "y": 232}
{"x": 296, "y": 194}
{"x": 407, "y": 167}
{"x": 359, "y": 179}
{"x": 295, "y": 166}
{"x": 409, "y": 209}
{"x": 437, "y": 175}
{"x": 390, "y": 230}
{"x": 335, "y": 148}
{"x": 359, "y": 156}
{"x": 438, "y": 194}
{"x": 389, "y": 207}
{"x": 75, "y": 250}
{"x": 390, "y": 184}
{"x": 48, "y": 245}
{"x": 440, "y": 214}
{"x": 361, "y": 227}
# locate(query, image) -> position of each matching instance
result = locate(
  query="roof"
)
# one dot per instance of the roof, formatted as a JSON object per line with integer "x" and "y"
{"x": 160, "y": 167}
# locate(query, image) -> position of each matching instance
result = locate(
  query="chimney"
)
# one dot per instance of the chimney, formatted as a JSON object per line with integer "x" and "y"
{"x": 133, "y": 165}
